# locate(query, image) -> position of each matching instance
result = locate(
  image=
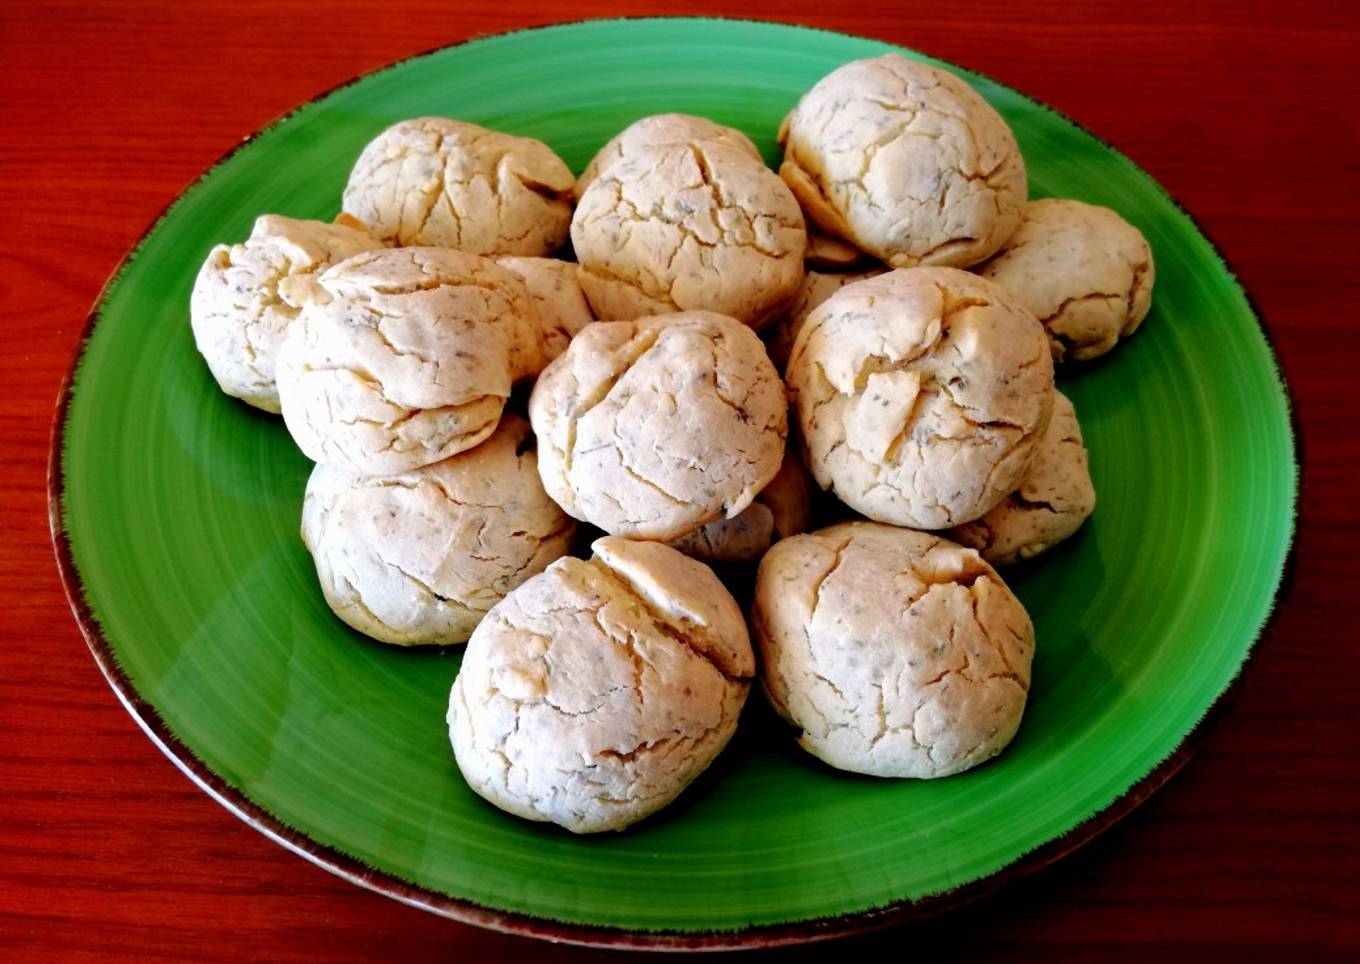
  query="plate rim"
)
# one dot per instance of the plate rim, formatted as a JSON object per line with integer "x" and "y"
{"x": 518, "y": 923}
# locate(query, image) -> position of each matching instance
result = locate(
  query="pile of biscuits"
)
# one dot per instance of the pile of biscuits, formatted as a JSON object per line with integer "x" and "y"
{"x": 400, "y": 343}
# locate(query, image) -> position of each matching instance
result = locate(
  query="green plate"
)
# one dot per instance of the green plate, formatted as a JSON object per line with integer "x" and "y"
{"x": 176, "y": 517}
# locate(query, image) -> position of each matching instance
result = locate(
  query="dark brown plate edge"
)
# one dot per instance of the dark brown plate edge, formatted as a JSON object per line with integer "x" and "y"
{"x": 603, "y": 936}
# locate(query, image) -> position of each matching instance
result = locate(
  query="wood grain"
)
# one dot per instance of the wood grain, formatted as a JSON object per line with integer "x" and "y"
{"x": 1247, "y": 113}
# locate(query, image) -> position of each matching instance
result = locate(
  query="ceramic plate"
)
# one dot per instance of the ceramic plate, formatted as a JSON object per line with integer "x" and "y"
{"x": 176, "y": 511}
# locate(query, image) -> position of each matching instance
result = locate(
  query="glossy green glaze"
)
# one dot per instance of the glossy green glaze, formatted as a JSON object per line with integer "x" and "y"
{"x": 181, "y": 507}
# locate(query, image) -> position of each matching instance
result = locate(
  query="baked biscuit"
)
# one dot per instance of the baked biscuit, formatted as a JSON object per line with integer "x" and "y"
{"x": 246, "y": 295}
{"x": 405, "y": 358}
{"x": 593, "y": 694}
{"x": 699, "y": 226}
{"x": 895, "y": 653}
{"x": 922, "y": 395}
{"x": 653, "y": 428}
{"x": 1051, "y": 504}
{"x": 1084, "y": 272}
{"x": 817, "y": 287}
{"x": 419, "y": 558}
{"x": 663, "y": 130}
{"x": 435, "y": 181}
{"x": 782, "y": 509}
{"x": 556, "y": 293}
{"x": 906, "y": 161}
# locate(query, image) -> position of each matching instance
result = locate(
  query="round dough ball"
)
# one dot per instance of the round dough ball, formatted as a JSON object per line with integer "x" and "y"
{"x": 817, "y": 287}
{"x": 922, "y": 395}
{"x": 907, "y": 162}
{"x": 1056, "y": 497}
{"x": 419, "y": 558}
{"x": 435, "y": 181}
{"x": 782, "y": 509}
{"x": 593, "y": 694}
{"x": 556, "y": 293}
{"x": 1084, "y": 272}
{"x": 405, "y": 358}
{"x": 896, "y": 653}
{"x": 663, "y": 130}
{"x": 653, "y": 428}
{"x": 246, "y": 295}
{"x": 696, "y": 226}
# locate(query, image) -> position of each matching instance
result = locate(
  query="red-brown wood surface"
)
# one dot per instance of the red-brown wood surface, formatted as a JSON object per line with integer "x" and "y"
{"x": 1246, "y": 112}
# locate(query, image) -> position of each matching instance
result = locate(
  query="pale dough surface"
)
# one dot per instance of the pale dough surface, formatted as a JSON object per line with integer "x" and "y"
{"x": 829, "y": 252}
{"x": 662, "y": 130}
{"x": 782, "y": 509}
{"x": 405, "y": 357}
{"x": 895, "y": 652}
{"x": 700, "y": 226}
{"x": 595, "y": 693}
{"x": 246, "y": 295}
{"x": 906, "y": 161}
{"x": 922, "y": 395}
{"x": 653, "y": 428}
{"x": 817, "y": 287}
{"x": 419, "y": 558}
{"x": 556, "y": 291}
{"x": 435, "y": 181}
{"x": 1084, "y": 272}
{"x": 1053, "y": 501}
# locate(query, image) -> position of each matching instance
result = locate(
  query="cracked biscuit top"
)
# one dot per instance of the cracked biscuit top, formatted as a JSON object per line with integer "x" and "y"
{"x": 419, "y": 557}
{"x": 895, "y": 653}
{"x": 698, "y": 226}
{"x": 593, "y": 694}
{"x": 405, "y": 357}
{"x": 782, "y": 509}
{"x": 246, "y": 295}
{"x": 663, "y": 130}
{"x": 1055, "y": 498}
{"x": 653, "y": 428}
{"x": 435, "y": 181}
{"x": 922, "y": 395}
{"x": 1084, "y": 272}
{"x": 906, "y": 161}
{"x": 816, "y": 288}
{"x": 556, "y": 293}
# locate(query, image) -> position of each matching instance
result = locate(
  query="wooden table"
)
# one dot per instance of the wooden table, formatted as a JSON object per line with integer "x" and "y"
{"x": 1248, "y": 116}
